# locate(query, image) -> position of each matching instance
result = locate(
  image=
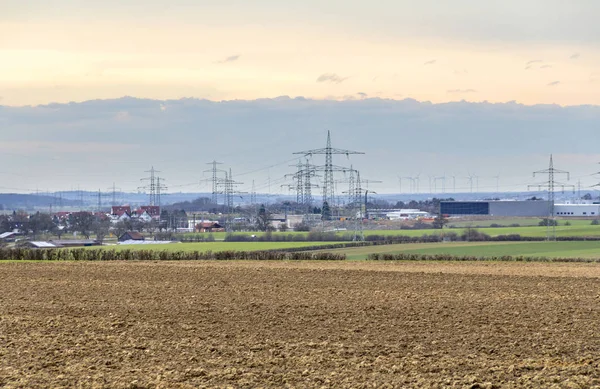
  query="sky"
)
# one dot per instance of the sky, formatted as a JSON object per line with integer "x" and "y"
{"x": 93, "y": 144}
{"x": 426, "y": 88}
{"x": 529, "y": 51}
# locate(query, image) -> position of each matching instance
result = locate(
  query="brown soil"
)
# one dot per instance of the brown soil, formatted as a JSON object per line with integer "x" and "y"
{"x": 338, "y": 325}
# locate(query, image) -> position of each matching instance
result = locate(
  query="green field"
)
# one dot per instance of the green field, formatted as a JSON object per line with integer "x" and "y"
{"x": 215, "y": 246}
{"x": 582, "y": 249}
{"x": 577, "y": 228}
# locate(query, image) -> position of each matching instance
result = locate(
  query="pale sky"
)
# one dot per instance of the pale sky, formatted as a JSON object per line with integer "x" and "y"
{"x": 529, "y": 51}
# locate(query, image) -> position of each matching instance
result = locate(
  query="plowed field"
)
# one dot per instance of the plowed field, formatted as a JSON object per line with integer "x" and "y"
{"x": 338, "y": 325}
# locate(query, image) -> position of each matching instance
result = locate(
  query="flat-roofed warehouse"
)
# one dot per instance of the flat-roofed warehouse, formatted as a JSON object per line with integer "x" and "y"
{"x": 496, "y": 208}
{"x": 531, "y": 208}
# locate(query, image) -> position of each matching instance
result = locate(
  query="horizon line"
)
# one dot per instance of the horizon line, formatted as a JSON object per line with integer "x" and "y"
{"x": 343, "y": 99}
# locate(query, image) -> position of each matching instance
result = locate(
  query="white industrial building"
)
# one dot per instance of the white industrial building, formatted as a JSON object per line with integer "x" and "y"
{"x": 407, "y": 214}
{"x": 576, "y": 210}
{"x": 526, "y": 208}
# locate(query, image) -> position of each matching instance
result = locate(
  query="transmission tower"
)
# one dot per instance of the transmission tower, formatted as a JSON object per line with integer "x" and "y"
{"x": 309, "y": 172}
{"x": 253, "y": 194}
{"x": 303, "y": 184}
{"x": 159, "y": 189}
{"x": 114, "y": 190}
{"x": 358, "y": 217}
{"x": 551, "y": 184}
{"x": 100, "y": 195}
{"x": 151, "y": 186}
{"x": 298, "y": 177}
{"x": 215, "y": 179}
{"x": 228, "y": 185}
{"x": 328, "y": 151}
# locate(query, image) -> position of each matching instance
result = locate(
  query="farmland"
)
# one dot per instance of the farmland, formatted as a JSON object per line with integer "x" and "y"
{"x": 216, "y": 246}
{"x": 299, "y": 324}
{"x": 579, "y": 249}
{"x": 577, "y": 228}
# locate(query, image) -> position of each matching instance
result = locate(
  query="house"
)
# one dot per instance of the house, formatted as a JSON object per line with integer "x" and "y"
{"x": 75, "y": 243}
{"x": 120, "y": 216}
{"x": 209, "y": 227}
{"x": 152, "y": 210}
{"x": 120, "y": 209}
{"x": 41, "y": 245}
{"x": 131, "y": 235}
{"x": 291, "y": 221}
{"x": 61, "y": 216}
{"x": 9, "y": 236}
{"x": 144, "y": 216}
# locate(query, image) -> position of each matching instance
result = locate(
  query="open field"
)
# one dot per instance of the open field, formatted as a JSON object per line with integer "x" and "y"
{"x": 577, "y": 228}
{"x": 521, "y": 221}
{"x": 215, "y": 246}
{"x": 299, "y": 324}
{"x": 578, "y": 249}
{"x": 537, "y": 231}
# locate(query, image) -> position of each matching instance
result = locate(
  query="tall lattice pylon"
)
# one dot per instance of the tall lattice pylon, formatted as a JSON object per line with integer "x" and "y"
{"x": 215, "y": 179}
{"x": 160, "y": 189}
{"x": 328, "y": 151}
{"x": 114, "y": 190}
{"x": 299, "y": 178}
{"x": 309, "y": 173}
{"x": 253, "y": 194}
{"x": 551, "y": 185}
{"x": 151, "y": 186}
{"x": 358, "y": 218}
{"x": 228, "y": 191}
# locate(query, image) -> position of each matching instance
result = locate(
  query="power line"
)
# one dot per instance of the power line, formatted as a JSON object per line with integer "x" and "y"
{"x": 550, "y": 185}
{"x": 328, "y": 151}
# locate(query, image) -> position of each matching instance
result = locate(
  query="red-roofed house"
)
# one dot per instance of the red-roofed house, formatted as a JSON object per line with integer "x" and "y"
{"x": 153, "y": 210}
{"x": 209, "y": 227}
{"x": 131, "y": 235}
{"x": 120, "y": 209}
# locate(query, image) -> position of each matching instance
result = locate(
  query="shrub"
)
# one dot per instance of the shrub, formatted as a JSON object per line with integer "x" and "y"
{"x": 473, "y": 235}
{"x": 302, "y": 227}
{"x": 548, "y": 222}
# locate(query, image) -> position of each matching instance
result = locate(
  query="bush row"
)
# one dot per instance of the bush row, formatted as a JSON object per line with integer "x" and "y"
{"x": 157, "y": 255}
{"x": 448, "y": 257}
{"x": 325, "y": 247}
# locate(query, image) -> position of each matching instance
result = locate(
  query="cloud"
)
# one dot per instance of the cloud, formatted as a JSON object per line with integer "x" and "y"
{"x": 545, "y": 66}
{"x": 534, "y": 61}
{"x": 553, "y": 83}
{"x": 362, "y": 94}
{"x": 92, "y": 124}
{"x": 231, "y": 58}
{"x": 122, "y": 116}
{"x": 331, "y": 77}
{"x": 461, "y": 91}
{"x": 461, "y": 72}
{"x": 574, "y": 56}
{"x": 431, "y": 62}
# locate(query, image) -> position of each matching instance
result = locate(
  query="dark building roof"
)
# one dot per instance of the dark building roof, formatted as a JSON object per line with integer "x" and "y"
{"x": 209, "y": 225}
{"x": 131, "y": 235}
{"x": 120, "y": 209}
{"x": 153, "y": 210}
{"x": 75, "y": 242}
